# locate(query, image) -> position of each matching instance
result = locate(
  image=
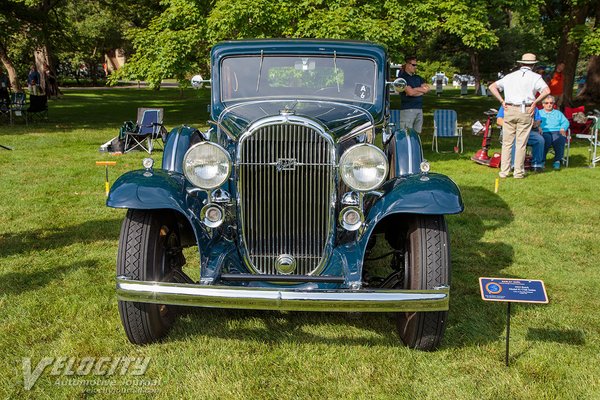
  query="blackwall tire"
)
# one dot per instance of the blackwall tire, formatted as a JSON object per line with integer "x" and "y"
{"x": 144, "y": 245}
{"x": 427, "y": 265}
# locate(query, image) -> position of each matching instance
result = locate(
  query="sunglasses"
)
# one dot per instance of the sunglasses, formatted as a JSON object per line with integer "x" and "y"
{"x": 414, "y": 65}
{"x": 548, "y": 102}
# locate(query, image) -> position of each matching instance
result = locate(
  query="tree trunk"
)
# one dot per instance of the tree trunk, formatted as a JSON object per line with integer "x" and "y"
{"x": 10, "y": 68}
{"x": 41, "y": 60}
{"x": 568, "y": 50}
{"x": 590, "y": 94}
{"x": 475, "y": 69}
{"x": 43, "y": 55}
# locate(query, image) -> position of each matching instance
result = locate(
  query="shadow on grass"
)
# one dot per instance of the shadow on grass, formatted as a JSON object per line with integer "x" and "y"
{"x": 564, "y": 336}
{"x": 473, "y": 322}
{"x": 21, "y": 282}
{"x": 289, "y": 327}
{"x": 54, "y": 238}
{"x": 576, "y": 161}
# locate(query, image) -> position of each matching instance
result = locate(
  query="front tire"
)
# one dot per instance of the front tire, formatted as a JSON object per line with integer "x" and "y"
{"x": 427, "y": 265}
{"x": 149, "y": 250}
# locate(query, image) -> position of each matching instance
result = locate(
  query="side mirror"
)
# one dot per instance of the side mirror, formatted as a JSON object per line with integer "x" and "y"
{"x": 198, "y": 82}
{"x": 399, "y": 85}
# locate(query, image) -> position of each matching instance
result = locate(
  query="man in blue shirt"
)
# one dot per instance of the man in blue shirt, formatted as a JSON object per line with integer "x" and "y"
{"x": 33, "y": 78}
{"x": 554, "y": 127}
{"x": 535, "y": 140}
{"x": 411, "y": 108}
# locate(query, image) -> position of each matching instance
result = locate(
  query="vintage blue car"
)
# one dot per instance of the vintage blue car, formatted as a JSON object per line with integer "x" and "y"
{"x": 302, "y": 195}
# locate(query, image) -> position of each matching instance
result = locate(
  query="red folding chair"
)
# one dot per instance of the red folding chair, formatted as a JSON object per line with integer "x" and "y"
{"x": 578, "y": 128}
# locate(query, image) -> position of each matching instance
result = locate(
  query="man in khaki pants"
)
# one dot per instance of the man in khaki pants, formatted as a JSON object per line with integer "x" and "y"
{"x": 519, "y": 104}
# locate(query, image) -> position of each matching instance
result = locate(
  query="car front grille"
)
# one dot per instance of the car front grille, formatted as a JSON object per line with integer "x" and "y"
{"x": 286, "y": 188}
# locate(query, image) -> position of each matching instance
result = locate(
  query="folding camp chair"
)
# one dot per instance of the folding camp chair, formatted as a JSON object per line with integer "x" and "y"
{"x": 38, "y": 107}
{"x": 593, "y": 139}
{"x": 18, "y": 106}
{"x": 147, "y": 129}
{"x": 445, "y": 125}
{"x": 578, "y": 128}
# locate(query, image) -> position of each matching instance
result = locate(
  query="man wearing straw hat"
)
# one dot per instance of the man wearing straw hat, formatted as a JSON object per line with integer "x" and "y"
{"x": 519, "y": 105}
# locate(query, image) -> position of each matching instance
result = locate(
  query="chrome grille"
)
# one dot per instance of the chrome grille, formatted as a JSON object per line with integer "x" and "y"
{"x": 286, "y": 174}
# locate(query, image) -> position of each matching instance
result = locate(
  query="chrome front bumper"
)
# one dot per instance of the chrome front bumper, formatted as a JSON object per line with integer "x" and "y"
{"x": 281, "y": 299}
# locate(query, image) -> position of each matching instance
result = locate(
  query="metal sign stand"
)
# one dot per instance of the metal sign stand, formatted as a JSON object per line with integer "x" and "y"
{"x": 507, "y": 331}
{"x": 512, "y": 290}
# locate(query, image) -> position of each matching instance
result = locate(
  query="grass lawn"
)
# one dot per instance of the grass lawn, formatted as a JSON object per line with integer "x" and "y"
{"x": 58, "y": 244}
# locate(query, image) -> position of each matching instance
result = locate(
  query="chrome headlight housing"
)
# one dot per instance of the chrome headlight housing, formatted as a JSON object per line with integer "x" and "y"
{"x": 363, "y": 167}
{"x": 207, "y": 165}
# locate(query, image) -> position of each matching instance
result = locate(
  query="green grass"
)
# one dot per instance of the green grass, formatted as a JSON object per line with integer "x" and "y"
{"x": 58, "y": 244}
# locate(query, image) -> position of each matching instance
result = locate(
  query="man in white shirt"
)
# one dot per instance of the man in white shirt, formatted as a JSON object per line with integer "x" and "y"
{"x": 520, "y": 88}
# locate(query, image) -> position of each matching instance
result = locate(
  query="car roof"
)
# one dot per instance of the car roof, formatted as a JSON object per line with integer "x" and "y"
{"x": 300, "y": 46}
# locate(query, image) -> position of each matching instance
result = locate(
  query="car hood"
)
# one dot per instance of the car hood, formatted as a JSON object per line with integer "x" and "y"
{"x": 338, "y": 119}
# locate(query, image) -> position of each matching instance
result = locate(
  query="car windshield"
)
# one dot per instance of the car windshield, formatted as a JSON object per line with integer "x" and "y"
{"x": 339, "y": 78}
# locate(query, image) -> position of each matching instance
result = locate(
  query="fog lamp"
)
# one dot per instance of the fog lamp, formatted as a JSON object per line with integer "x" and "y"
{"x": 212, "y": 215}
{"x": 351, "y": 218}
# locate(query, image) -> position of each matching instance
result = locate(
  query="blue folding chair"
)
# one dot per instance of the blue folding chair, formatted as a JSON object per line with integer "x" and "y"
{"x": 18, "y": 106}
{"x": 445, "y": 125}
{"x": 148, "y": 128}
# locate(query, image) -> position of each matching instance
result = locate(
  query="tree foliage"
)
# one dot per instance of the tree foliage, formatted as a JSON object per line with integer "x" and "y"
{"x": 170, "y": 46}
{"x": 172, "y": 38}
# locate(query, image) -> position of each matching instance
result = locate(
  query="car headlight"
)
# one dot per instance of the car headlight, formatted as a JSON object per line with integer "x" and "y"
{"x": 206, "y": 165}
{"x": 363, "y": 167}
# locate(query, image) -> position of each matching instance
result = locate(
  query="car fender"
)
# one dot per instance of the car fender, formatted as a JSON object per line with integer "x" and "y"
{"x": 431, "y": 194}
{"x": 148, "y": 189}
{"x": 405, "y": 153}
{"x": 154, "y": 190}
{"x": 158, "y": 190}
{"x": 434, "y": 194}
{"x": 178, "y": 142}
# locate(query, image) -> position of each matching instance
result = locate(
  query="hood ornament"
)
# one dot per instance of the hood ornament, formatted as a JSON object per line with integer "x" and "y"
{"x": 287, "y": 111}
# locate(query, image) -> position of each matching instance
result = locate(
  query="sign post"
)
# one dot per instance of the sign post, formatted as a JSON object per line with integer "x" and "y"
{"x": 512, "y": 291}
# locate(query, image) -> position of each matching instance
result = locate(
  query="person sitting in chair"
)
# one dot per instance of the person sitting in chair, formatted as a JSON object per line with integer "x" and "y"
{"x": 4, "y": 86}
{"x": 554, "y": 128}
{"x": 535, "y": 140}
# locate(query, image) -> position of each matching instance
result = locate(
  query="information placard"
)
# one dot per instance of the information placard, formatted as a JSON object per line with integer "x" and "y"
{"x": 513, "y": 290}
